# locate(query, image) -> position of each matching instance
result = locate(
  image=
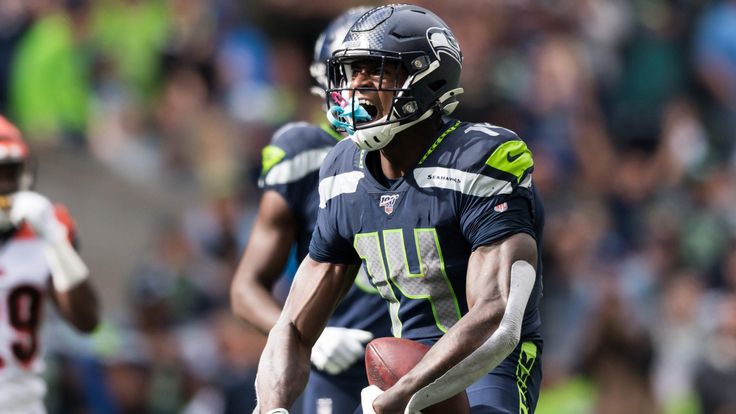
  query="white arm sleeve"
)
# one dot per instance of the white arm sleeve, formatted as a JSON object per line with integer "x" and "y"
{"x": 494, "y": 350}
{"x": 67, "y": 268}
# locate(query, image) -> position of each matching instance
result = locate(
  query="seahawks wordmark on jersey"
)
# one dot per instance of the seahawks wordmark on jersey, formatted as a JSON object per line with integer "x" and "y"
{"x": 473, "y": 187}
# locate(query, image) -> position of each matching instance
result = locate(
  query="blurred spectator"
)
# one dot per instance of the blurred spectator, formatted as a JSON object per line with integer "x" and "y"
{"x": 50, "y": 79}
{"x": 130, "y": 35}
{"x": 15, "y": 20}
{"x": 715, "y": 62}
{"x": 678, "y": 339}
{"x": 715, "y": 378}
{"x": 618, "y": 358}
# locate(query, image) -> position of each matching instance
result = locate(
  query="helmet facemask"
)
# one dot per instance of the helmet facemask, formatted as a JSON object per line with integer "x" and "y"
{"x": 392, "y": 79}
{"x": 423, "y": 49}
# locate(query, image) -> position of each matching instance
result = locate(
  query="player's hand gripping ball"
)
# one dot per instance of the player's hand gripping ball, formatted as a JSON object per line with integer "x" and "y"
{"x": 388, "y": 359}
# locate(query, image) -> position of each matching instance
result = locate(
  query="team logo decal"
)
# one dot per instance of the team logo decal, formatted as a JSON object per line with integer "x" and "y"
{"x": 443, "y": 41}
{"x": 388, "y": 202}
{"x": 502, "y": 207}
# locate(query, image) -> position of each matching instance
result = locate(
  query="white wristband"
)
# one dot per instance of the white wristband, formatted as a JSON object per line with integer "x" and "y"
{"x": 67, "y": 268}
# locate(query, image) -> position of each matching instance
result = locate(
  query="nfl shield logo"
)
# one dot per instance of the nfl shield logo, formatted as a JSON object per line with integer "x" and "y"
{"x": 501, "y": 207}
{"x": 388, "y": 202}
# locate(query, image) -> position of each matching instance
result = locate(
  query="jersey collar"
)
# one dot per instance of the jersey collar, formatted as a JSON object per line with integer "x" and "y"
{"x": 330, "y": 130}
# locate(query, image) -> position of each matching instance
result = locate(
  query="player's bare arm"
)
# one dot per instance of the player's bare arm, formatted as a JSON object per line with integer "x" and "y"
{"x": 489, "y": 282}
{"x": 284, "y": 367}
{"x": 262, "y": 263}
{"x": 78, "y": 306}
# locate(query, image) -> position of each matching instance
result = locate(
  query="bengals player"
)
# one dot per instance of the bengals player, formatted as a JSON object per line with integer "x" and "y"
{"x": 38, "y": 261}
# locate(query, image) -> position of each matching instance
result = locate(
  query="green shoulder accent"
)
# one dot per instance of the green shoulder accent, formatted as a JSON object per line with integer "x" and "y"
{"x": 512, "y": 157}
{"x": 438, "y": 141}
{"x": 330, "y": 130}
{"x": 271, "y": 155}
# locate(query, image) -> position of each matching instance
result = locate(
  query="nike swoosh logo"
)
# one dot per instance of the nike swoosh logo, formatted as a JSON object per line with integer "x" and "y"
{"x": 511, "y": 158}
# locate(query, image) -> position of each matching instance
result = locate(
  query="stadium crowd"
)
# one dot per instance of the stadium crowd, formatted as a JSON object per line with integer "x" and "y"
{"x": 628, "y": 106}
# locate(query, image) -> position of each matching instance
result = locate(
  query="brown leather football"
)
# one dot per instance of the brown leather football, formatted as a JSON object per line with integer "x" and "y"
{"x": 388, "y": 359}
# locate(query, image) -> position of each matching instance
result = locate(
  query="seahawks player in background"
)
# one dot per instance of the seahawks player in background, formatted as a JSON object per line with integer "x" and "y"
{"x": 287, "y": 215}
{"x": 444, "y": 216}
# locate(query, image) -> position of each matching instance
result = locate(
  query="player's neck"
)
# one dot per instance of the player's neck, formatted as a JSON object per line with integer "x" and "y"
{"x": 407, "y": 147}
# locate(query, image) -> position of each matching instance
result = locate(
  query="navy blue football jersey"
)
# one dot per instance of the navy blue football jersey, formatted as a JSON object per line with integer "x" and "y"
{"x": 291, "y": 166}
{"x": 472, "y": 187}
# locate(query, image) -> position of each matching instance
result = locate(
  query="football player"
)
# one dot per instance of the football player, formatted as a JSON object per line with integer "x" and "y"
{"x": 444, "y": 216}
{"x": 287, "y": 215}
{"x": 37, "y": 260}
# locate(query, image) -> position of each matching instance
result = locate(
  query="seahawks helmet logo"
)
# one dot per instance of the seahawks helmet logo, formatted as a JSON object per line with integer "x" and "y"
{"x": 442, "y": 41}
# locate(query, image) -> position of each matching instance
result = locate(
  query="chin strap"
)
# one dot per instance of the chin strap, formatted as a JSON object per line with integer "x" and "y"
{"x": 379, "y": 136}
{"x": 494, "y": 350}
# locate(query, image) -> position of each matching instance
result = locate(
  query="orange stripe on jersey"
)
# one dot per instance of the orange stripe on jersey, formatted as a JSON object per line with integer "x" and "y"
{"x": 62, "y": 214}
{"x": 24, "y": 232}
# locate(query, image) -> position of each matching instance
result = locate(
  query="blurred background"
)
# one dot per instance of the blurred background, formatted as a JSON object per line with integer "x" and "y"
{"x": 146, "y": 118}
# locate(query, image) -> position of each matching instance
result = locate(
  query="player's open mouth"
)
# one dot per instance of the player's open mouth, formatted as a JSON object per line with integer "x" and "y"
{"x": 369, "y": 107}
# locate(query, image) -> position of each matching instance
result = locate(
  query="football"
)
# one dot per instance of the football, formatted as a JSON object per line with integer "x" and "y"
{"x": 388, "y": 359}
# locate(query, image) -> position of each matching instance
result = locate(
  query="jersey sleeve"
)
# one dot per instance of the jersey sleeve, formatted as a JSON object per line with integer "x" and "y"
{"x": 501, "y": 203}
{"x": 328, "y": 245}
{"x": 331, "y": 241}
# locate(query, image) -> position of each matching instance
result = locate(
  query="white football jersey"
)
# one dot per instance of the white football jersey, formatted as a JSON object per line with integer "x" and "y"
{"x": 24, "y": 286}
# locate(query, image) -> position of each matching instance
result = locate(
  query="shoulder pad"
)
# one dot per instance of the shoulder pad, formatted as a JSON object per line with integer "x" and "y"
{"x": 500, "y": 149}
{"x": 344, "y": 157}
{"x": 293, "y": 139}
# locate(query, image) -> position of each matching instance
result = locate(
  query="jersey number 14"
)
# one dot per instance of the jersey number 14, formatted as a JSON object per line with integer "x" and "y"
{"x": 431, "y": 283}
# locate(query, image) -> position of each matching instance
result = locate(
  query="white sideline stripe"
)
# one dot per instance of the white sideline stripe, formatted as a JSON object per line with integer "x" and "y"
{"x": 331, "y": 187}
{"x": 477, "y": 185}
{"x": 296, "y": 168}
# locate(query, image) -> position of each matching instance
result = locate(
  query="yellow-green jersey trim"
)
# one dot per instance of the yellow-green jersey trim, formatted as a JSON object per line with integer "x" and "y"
{"x": 527, "y": 358}
{"x": 271, "y": 155}
{"x": 439, "y": 140}
{"x": 441, "y": 321}
{"x": 512, "y": 157}
{"x": 363, "y": 283}
{"x": 368, "y": 247}
{"x": 330, "y": 130}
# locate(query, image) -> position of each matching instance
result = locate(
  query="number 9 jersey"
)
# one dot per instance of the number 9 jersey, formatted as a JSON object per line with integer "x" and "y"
{"x": 24, "y": 284}
{"x": 472, "y": 187}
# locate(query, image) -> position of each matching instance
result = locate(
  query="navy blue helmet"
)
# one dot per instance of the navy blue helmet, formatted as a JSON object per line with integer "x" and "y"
{"x": 416, "y": 42}
{"x": 327, "y": 42}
